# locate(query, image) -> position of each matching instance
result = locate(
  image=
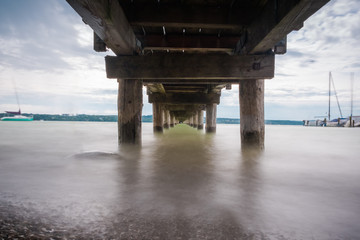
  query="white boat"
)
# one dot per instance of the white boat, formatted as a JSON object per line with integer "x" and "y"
{"x": 17, "y": 118}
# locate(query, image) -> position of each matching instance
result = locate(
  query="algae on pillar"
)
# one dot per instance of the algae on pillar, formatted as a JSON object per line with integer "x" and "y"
{"x": 252, "y": 128}
{"x": 211, "y": 117}
{"x": 129, "y": 111}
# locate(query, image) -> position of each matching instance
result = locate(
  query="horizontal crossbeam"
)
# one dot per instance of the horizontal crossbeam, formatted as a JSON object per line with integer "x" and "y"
{"x": 190, "y": 66}
{"x": 184, "y": 98}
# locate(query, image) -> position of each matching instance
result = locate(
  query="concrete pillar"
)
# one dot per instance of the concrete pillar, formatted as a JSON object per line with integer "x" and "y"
{"x": 196, "y": 121}
{"x": 157, "y": 117}
{"x": 252, "y": 128}
{"x": 191, "y": 121}
{"x": 200, "y": 120}
{"x": 129, "y": 111}
{"x": 211, "y": 118}
{"x": 166, "y": 119}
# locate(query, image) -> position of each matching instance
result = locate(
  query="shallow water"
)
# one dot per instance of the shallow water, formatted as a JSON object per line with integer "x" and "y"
{"x": 71, "y": 180}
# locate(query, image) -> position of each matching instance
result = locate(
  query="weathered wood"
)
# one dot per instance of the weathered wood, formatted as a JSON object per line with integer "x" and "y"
{"x": 109, "y": 22}
{"x": 158, "y": 42}
{"x": 190, "y": 66}
{"x": 185, "y": 98}
{"x": 157, "y": 117}
{"x": 99, "y": 45}
{"x": 196, "y": 120}
{"x": 166, "y": 119}
{"x": 211, "y": 117}
{"x": 172, "y": 119}
{"x": 278, "y": 19}
{"x": 192, "y": 81}
{"x": 190, "y": 16}
{"x": 200, "y": 120}
{"x": 129, "y": 111}
{"x": 252, "y": 129}
{"x": 155, "y": 88}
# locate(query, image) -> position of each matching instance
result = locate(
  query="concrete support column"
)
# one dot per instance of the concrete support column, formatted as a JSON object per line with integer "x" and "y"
{"x": 252, "y": 128}
{"x": 196, "y": 121}
{"x": 191, "y": 121}
{"x": 200, "y": 120}
{"x": 157, "y": 117}
{"x": 129, "y": 111}
{"x": 166, "y": 119}
{"x": 211, "y": 117}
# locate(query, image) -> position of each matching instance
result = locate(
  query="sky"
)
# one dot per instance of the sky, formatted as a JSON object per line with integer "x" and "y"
{"x": 46, "y": 57}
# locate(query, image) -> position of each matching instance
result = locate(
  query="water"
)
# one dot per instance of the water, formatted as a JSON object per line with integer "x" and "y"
{"x": 71, "y": 180}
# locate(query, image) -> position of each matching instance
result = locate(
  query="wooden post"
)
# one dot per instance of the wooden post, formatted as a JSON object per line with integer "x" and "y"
{"x": 211, "y": 118}
{"x": 172, "y": 120}
{"x": 129, "y": 111}
{"x": 157, "y": 117}
{"x": 252, "y": 128}
{"x": 196, "y": 121}
{"x": 166, "y": 119}
{"x": 201, "y": 120}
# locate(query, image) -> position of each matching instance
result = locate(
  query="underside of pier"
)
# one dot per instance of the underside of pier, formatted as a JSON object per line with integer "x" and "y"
{"x": 186, "y": 51}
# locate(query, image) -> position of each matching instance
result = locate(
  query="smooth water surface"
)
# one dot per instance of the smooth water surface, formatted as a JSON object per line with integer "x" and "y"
{"x": 71, "y": 180}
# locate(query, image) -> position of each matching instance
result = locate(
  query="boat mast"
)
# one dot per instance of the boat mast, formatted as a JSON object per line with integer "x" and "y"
{"x": 16, "y": 94}
{"x": 352, "y": 92}
{"x": 329, "y": 95}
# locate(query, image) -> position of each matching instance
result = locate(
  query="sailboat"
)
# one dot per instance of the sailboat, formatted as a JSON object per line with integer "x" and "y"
{"x": 327, "y": 122}
{"x": 16, "y": 116}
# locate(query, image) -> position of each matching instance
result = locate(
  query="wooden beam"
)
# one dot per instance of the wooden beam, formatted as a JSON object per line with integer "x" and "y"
{"x": 155, "y": 88}
{"x": 171, "y": 41}
{"x": 191, "y": 81}
{"x": 175, "y": 15}
{"x": 190, "y": 66}
{"x": 109, "y": 22}
{"x": 278, "y": 19}
{"x": 184, "y": 98}
{"x": 99, "y": 45}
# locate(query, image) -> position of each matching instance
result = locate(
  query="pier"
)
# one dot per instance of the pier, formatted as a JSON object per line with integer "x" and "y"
{"x": 186, "y": 52}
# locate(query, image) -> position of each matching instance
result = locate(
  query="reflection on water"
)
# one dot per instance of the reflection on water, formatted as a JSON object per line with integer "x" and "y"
{"x": 180, "y": 185}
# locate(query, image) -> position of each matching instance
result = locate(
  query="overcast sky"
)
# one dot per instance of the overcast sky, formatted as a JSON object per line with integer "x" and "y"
{"x": 46, "y": 52}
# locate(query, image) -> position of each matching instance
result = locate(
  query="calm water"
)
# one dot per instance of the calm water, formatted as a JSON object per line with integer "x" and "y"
{"x": 70, "y": 179}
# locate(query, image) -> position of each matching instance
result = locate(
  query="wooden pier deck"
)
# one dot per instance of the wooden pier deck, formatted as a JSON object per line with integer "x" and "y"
{"x": 186, "y": 51}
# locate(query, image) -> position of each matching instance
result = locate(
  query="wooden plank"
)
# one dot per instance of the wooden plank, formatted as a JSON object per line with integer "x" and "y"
{"x": 184, "y": 98}
{"x": 109, "y": 22}
{"x": 190, "y": 66}
{"x": 279, "y": 18}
